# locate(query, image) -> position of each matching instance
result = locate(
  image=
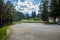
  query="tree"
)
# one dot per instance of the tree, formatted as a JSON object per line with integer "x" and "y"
{"x": 39, "y": 15}
{"x": 55, "y": 9}
{"x": 1, "y": 12}
{"x": 20, "y": 16}
{"x": 33, "y": 15}
{"x": 9, "y": 12}
{"x": 44, "y": 13}
{"x": 6, "y": 13}
{"x": 27, "y": 16}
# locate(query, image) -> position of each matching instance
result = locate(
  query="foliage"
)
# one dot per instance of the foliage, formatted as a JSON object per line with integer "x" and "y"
{"x": 50, "y": 23}
{"x": 44, "y": 13}
{"x": 55, "y": 9}
{"x": 27, "y": 16}
{"x": 38, "y": 15}
{"x": 1, "y": 12}
{"x": 20, "y": 16}
{"x": 7, "y": 13}
{"x": 33, "y": 15}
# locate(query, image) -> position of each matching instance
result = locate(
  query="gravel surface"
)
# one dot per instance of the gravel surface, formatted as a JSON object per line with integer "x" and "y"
{"x": 34, "y": 31}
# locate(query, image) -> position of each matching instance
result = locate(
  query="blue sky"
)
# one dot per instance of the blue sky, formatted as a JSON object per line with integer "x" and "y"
{"x": 26, "y": 6}
{"x": 34, "y": 1}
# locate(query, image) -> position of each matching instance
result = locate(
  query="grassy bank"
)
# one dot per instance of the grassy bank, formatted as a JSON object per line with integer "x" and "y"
{"x": 3, "y": 31}
{"x": 49, "y": 23}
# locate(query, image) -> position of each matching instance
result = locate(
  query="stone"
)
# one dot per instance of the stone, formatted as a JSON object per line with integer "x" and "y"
{"x": 58, "y": 21}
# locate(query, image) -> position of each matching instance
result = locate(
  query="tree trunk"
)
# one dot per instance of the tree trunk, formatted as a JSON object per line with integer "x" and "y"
{"x": 54, "y": 19}
{"x": 1, "y": 21}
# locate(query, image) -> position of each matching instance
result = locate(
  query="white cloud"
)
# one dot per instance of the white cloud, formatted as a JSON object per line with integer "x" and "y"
{"x": 29, "y": 6}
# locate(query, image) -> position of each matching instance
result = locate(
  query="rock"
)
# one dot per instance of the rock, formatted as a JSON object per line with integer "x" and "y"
{"x": 58, "y": 21}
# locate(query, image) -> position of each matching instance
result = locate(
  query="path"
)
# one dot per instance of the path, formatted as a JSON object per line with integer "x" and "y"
{"x": 34, "y": 31}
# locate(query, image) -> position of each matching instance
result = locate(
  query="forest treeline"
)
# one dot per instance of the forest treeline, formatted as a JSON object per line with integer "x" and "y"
{"x": 8, "y": 13}
{"x": 50, "y": 9}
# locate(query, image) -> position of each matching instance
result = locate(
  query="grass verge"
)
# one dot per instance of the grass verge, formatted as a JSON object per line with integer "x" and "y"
{"x": 3, "y": 31}
{"x": 49, "y": 23}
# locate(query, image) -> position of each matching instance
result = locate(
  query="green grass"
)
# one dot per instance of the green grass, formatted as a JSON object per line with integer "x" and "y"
{"x": 50, "y": 23}
{"x": 3, "y": 31}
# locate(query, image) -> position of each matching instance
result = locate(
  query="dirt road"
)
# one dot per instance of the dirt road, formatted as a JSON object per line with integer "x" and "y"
{"x": 34, "y": 31}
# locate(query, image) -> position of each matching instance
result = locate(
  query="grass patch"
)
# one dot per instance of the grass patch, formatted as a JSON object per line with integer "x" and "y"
{"x": 50, "y": 23}
{"x": 3, "y": 31}
{"x": 31, "y": 21}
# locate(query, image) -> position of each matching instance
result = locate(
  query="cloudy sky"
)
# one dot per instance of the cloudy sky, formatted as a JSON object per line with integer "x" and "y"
{"x": 26, "y": 6}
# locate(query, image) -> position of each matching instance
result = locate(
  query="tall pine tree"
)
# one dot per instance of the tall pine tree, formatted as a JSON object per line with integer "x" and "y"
{"x": 44, "y": 13}
{"x": 1, "y": 12}
{"x": 55, "y": 10}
